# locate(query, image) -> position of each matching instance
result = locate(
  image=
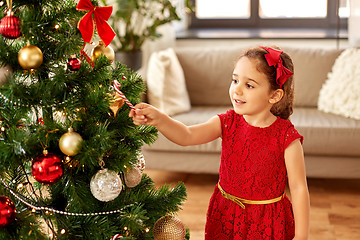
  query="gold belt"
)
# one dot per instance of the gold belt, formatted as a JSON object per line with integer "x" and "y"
{"x": 241, "y": 201}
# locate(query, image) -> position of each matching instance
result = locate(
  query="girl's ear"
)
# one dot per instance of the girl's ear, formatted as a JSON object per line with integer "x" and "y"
{"x": 276, "y": 96}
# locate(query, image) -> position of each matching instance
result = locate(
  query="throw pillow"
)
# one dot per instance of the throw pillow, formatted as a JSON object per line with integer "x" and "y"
{"x": 340, "y": 94}
{"x": 166, "y": 83}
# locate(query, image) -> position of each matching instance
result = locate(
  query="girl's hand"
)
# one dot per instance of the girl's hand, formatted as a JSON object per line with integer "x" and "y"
{"x": 145, "y": 114}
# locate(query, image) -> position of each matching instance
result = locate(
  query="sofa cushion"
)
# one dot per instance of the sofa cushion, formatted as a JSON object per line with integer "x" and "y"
{"x": 340, "y": 94}
{"x": 208, "y": 73}
{"x": 166, "y": 83}
{"x": 311, "y": 67}
{"x": 324, "y": 133}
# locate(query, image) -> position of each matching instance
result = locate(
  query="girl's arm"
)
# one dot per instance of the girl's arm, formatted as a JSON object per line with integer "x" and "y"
{"x": 176, "y": 131}
{"x": 294, "y": 160}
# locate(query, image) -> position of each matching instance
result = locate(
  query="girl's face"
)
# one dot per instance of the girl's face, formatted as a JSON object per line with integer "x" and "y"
{"x": 250, "y": 89}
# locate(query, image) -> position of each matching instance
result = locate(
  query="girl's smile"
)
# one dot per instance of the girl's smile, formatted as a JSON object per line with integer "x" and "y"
{"x": 239, "y": 102}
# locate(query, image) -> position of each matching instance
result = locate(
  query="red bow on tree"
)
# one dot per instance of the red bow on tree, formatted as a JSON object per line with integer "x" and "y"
{"x": 86, "y": 23}
{"x": 273, "y": 59}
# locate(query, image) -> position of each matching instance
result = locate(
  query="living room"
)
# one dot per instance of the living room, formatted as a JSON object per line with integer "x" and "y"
{"x": 203, "y": 43}
{"x": 259, "y": 98}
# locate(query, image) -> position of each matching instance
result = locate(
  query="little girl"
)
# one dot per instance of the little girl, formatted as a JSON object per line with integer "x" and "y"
{"x": 261, "y": 152}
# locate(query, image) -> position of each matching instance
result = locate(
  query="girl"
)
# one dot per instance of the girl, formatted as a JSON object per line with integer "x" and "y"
{"x": 261, "y": 152}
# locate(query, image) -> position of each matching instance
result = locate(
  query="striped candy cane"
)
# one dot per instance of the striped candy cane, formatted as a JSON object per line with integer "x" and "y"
{"x": 116, "y": 236}
{"x": 116, "y": 86}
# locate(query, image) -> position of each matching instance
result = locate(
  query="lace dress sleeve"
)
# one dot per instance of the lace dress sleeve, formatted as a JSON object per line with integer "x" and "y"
{"x": 291, "y": 135}
{"x": 225, "y": 119}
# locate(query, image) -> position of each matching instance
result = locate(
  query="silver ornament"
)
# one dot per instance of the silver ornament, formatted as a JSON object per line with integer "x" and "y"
{"x": 133, "y": 177}
{"x": 105, "y": 185}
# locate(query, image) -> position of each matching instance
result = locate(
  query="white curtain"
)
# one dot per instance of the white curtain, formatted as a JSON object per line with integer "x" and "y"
{"x": 354, "y": 23}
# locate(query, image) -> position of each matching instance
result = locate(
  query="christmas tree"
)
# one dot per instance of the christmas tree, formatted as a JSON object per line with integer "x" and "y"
{"x": 70, "y": 157}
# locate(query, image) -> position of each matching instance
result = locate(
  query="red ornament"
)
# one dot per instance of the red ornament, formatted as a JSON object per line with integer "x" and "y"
{"x": 47, "y": 168}
{"x": 74, "y": 63}
{"x": 7, "y": 211}
{"x": 10, "y": 26}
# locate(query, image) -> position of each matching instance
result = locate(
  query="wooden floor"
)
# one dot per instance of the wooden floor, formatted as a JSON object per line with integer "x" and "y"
{"x": 335, "y": 204}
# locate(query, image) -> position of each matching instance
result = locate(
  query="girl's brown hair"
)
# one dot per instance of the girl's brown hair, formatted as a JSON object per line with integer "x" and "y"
{"x": 283, "y": 108}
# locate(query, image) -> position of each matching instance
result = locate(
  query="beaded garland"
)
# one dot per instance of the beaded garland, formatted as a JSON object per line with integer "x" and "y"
{"x": 58, "y": 211}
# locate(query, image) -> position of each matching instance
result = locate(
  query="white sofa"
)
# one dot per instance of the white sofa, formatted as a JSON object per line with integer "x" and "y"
{"x": 331, "y": 142}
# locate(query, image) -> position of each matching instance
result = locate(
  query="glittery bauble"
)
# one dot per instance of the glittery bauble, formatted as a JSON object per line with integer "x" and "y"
{"x": 101, "y": 49}
{"x": 10, "y": 26}
{"x": 7, "y": 211}
{"x": 47, "y": 168}
{"x": 133, "y": 177}
{"x": 105, "y": 185}
{"x": 169, "y": 228}
{"x": 70, "y": 143}
{"x": 5, "y": 71}
{"x": 30, "y": 57}
{"x": 74, "y": 63}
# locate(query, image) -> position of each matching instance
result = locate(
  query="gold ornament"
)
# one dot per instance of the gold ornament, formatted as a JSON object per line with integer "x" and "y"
{"x": 169, "y": 228}
{"x": 30, "y": 57}
{"x": 70, "y": 143}
{"x": 116, "y": 104}
{"x": 101, "y": 49}
{"x": 132, "y": 177}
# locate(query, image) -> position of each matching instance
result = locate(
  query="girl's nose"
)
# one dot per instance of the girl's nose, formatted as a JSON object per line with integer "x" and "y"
{"x": 238, "y": 90}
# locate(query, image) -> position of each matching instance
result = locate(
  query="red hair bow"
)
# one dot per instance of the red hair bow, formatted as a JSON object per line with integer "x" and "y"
{"x": 86, "y": 23}
{"x": 273, "y": 59}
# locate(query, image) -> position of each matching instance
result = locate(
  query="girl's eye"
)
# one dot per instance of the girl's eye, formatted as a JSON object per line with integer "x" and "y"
{"x": 235, "y": 81}
{"x": 249, "y": 85}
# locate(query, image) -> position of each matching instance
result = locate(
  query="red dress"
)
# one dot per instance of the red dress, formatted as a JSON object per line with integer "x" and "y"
{"x": 253, "y": 168}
